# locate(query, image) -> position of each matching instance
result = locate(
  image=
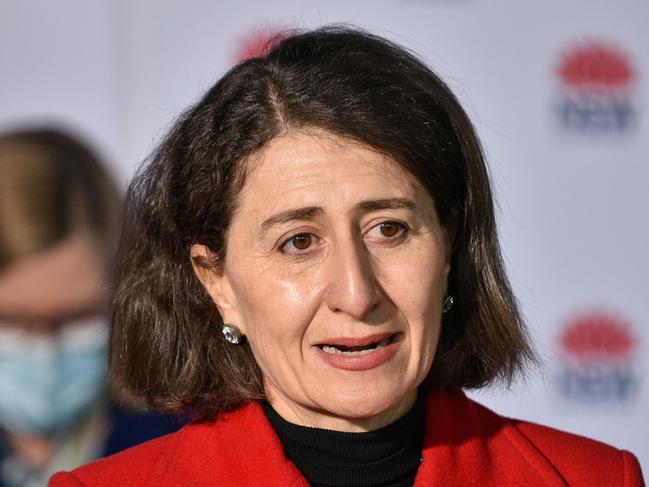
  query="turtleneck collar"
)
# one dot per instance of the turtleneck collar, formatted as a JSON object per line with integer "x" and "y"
{"x": 386, "y": 457}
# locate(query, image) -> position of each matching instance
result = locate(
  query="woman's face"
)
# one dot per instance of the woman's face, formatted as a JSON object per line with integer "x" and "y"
{"x": 53, "y": 340}
{"x": 336, "y": 270}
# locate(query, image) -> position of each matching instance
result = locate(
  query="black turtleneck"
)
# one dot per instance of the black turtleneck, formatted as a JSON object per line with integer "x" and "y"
{"x": 388, "y": 457}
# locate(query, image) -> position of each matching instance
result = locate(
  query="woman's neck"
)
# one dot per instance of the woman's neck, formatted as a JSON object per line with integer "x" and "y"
{"x": 388, "y": 456}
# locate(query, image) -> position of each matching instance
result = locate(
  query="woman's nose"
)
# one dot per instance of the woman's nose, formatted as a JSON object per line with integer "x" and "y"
{"x": 353, "y": 287}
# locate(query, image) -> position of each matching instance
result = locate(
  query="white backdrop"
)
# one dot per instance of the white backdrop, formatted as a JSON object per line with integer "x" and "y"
{"x": 568, "y": 153}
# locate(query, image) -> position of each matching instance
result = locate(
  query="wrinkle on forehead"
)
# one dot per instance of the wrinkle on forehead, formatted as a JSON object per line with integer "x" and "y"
{"x": 306, "y": 169}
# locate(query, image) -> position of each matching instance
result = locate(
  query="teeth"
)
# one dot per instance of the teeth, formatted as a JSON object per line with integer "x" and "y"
{"x": 384, "y": 343}
{"x": 336, "y": 351}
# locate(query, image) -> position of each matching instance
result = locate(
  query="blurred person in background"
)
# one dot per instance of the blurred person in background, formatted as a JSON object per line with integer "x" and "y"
{"x": 59, "y": 222}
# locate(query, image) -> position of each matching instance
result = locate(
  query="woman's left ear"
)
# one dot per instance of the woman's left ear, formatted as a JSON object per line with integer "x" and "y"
{"x": 216, "y": 284}
{"x": 449, "y": 243}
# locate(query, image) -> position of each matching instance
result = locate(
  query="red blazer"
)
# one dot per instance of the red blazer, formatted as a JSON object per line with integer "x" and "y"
{"x": 465, "y": 444}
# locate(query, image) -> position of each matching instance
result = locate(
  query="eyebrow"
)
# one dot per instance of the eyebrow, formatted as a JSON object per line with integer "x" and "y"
{"x": 387, "y": 204}
{"x": 313, "y": 211}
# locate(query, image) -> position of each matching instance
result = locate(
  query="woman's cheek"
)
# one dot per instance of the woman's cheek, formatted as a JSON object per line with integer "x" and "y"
{"x": 300, "y": 286}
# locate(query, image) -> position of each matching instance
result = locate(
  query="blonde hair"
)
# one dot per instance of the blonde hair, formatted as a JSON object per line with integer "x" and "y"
{"x": 52, "y": 185}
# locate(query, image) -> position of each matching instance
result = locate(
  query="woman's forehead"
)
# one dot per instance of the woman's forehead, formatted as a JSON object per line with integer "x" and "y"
{"x": 320, "y": 165}
{"x": 66, "y": 277}
{"x": 304, "y": 177}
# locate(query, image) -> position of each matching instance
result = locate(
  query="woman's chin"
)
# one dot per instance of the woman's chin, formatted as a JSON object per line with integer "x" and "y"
{"x": 365, "y": 412}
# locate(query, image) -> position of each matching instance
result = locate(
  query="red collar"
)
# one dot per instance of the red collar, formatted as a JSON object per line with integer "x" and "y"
{"x": 465, "y": 444}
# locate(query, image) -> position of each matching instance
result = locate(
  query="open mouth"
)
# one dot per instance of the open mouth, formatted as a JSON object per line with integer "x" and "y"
{"x": 351, "y": 351}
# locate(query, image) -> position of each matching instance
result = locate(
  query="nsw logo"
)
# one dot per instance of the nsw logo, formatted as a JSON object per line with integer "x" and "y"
{"x": 597, "y": 358}
{"x": 596, "y": 89}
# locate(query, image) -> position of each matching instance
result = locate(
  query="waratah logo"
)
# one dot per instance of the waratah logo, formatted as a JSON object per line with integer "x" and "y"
{"x": 597, "y": 82}
{"x": 597, "y": 358}
{"x": 258, "y": 43}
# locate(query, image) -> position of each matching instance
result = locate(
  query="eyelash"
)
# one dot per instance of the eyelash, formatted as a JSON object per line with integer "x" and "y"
{"x": 402, "y": 232}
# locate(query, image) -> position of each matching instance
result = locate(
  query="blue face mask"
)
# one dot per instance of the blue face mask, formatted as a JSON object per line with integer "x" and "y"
{"x": 47, "y": 383}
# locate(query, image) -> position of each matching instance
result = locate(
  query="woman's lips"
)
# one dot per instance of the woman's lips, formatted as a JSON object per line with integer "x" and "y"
{"x": 362, "y": 353}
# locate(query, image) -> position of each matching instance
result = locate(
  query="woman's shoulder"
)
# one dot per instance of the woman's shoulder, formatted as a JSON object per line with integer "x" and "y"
{"x": 579, "y": 456}
{"x": 133, "y": 466}
{"x": 151, "y": 462}
{"x": 237, "y": 448}
{"x": 577, "y": 459}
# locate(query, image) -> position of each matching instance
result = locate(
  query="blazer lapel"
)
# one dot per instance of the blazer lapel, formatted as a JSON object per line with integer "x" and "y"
{"x": 239, "y": 448}
{"x": 466, "y": 444}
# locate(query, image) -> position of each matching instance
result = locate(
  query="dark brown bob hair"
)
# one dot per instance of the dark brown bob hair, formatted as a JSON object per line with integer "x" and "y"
{"x": 166, "y": 340}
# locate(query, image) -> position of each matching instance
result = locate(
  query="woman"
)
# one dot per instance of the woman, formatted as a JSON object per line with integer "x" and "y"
{"x": 312, "y": 270}
{"x": 60, "y": 217}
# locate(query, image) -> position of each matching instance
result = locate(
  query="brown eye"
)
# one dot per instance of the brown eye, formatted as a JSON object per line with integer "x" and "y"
{"x": 297, "y": 243}
{"x": 302, "y": 242}
{"x": 389, "y": 229}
